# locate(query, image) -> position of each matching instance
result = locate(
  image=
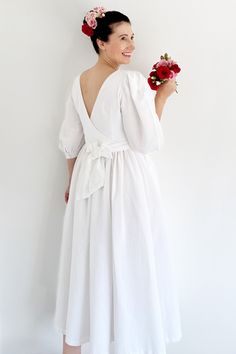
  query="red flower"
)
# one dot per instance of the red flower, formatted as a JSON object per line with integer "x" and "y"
{"x": 163, "y": 72}
{"x": 155, "y": 65}
{"x": 153, "y": 73}
{"x": 175, "y": 68}
{"x": 87, "y": 30}
{"x": 152, "y": 84}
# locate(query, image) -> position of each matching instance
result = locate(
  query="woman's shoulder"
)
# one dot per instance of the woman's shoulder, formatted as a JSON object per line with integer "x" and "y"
{"x": 81, "y": 76}
{"x": 134, "y": 78}
{"x": 128, "y": 73}
{"x": 136, "y": 84}
{"x": 84, "y": 75}
{"x": 133, "y": 74}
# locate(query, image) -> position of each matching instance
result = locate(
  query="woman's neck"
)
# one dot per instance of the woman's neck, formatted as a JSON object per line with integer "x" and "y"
{"x": 104, "y": 61}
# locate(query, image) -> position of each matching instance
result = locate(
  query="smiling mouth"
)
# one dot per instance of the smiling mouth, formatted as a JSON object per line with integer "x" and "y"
{"x": 127, "y": 54}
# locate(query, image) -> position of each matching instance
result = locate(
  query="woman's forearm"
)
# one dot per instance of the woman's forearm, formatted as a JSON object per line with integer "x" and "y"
{"x": 70, "y": 165}
{"x": 160, "y": 101}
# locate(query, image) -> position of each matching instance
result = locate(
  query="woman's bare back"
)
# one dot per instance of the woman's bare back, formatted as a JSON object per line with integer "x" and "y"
{"x": 91, "y": 81}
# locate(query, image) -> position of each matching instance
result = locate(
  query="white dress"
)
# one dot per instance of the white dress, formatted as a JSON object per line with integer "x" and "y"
{"x": 116, "y": 290}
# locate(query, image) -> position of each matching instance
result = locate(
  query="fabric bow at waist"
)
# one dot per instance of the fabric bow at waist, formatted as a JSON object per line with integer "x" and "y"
{"x": 93, "y": 166}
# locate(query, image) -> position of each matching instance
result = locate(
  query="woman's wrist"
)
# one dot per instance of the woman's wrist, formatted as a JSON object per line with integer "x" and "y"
{"x": 160, "y": 101}
{"x": 70, "y": 163}
{"x": 161, "y": 97}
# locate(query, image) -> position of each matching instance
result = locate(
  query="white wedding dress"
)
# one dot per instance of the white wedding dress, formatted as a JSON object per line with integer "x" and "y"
{"x": 116, "y": 290}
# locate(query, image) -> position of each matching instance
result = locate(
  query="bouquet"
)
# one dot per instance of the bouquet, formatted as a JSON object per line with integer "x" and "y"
{"x": 162, "y": 71}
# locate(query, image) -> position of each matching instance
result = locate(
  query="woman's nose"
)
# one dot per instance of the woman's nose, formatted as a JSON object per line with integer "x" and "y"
{"x": 131, "y": 46}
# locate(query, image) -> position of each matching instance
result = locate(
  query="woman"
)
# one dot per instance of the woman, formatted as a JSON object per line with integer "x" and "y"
{"x": 116, "y": 291}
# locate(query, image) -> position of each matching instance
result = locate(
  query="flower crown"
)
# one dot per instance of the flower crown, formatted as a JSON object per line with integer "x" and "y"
{"x": 90, "y": 22}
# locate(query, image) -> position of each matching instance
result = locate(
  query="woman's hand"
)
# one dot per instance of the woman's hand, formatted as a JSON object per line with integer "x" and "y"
{"x": 167, "y": 88}
{"x": 67, "y": 192}
{"x": 70, "y": 164}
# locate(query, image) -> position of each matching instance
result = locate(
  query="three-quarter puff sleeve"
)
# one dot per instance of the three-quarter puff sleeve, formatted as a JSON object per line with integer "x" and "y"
{"x": 140, "y": 121}
{"x": 71, "y": 135}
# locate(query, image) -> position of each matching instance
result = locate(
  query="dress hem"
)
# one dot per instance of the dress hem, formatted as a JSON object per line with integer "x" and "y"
{"x": 72, "y": 343}
{"x": 85, "y": 340}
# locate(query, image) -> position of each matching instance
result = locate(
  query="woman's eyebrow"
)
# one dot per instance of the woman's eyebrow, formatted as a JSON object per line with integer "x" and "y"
{"x": 125, "y": 34}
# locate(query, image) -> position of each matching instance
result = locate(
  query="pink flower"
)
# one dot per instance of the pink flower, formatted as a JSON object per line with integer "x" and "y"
{"x": 171, "y": 62}
{"x": 90, "y": 16}
{"x": 92, "y": 23}
{"x": 172, "y": 74}
{"x": 99, "y": 9}
{"x": 163, "y": 62}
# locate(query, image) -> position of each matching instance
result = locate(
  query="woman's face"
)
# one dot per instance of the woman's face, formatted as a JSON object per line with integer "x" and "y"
{"x": 120, "y": 46}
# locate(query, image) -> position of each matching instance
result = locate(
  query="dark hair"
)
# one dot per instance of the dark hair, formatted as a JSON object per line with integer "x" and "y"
{"x": 104, "y": 26}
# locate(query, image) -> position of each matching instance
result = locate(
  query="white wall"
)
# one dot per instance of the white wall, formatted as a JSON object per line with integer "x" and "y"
{"x": 42, "y": 49}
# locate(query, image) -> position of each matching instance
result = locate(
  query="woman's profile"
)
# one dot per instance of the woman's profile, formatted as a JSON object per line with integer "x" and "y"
{"x": 116, "y": 290}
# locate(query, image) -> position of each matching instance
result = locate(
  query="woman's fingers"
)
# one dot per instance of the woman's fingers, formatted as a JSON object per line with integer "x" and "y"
{"x": 168, "y": 87}
{"x": 66, "y": 196}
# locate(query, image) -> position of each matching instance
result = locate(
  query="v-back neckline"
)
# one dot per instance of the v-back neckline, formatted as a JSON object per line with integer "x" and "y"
{"x": 99, "y": 92}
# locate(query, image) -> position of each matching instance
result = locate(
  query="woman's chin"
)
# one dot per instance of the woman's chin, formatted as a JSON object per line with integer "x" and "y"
{"x": 126, "y": 60}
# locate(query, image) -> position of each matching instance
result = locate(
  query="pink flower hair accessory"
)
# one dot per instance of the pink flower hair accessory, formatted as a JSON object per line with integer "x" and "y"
{"x": 90, "y": 22}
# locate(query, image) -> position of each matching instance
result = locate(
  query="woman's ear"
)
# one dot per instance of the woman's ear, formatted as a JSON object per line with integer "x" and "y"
{"x": 100, "y": 44}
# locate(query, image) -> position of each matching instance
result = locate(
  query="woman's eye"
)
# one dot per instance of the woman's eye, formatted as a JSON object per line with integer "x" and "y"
{"x": 125, "y": 38}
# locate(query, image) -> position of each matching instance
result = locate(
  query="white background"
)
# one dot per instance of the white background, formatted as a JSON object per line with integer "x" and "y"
{"x": 42, "y": 49}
